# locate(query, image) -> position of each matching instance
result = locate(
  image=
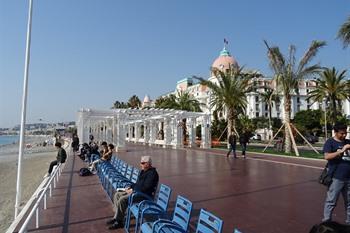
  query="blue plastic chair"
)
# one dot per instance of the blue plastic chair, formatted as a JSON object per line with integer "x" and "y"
{"x": 181, "y": 218}
{"x": 114, "y": 180}
{"x": 207, "y": 223}
{"x": 126, "y": 182}
{"x": 147, "y": 206}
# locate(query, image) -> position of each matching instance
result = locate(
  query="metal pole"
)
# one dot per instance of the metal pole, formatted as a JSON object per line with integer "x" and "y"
{"x": 325, "y": 118}
{"x": 325, "y": 122}
{"x": 24, "y": 109}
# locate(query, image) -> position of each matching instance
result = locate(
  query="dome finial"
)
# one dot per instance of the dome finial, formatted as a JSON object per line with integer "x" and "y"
{"x": 225, "y": 43}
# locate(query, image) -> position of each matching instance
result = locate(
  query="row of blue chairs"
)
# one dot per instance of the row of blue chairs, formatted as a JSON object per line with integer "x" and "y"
{"x": 115, "y": 174}
{"x": 207, "y": 222}
{"x": 118, "y": 174}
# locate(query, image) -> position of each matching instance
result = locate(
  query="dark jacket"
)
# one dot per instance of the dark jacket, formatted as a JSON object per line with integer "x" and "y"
{"x": 147, "y": 182}
{"x": 232, "y": 139}
{"x": 244, "y": 138}
{"x": 61, "y": 155}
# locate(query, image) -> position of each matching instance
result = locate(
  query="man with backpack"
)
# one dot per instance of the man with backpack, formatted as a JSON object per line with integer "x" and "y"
{"x": 336, "y": 150}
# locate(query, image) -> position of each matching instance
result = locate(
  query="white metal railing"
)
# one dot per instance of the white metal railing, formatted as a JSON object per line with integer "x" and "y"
{"x": 39, "y": 194}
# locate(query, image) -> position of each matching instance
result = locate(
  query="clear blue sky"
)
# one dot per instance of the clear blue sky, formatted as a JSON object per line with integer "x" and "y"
{"x": 89, "y": 53}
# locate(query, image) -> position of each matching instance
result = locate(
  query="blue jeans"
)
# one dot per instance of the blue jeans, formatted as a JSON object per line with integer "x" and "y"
{"x": 232, "y": 148}
{"x": 244, "y": 148}
{"x": 333, "y": 193}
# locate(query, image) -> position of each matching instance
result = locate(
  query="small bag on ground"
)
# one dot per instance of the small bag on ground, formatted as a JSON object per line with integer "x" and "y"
{"x": 84, "y": 172}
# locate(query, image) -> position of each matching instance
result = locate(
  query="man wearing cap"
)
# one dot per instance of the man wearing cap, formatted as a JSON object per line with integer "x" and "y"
{"x": 146, "y": 183}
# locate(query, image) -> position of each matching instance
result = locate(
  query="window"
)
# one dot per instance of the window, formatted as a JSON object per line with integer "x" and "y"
{"x": 256, "y": 98}
{"x": 298, "y": 100}
{"x": 257, "y": 114}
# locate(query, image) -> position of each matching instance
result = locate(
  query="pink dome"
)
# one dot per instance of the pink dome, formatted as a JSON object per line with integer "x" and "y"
{"x": 224, "y": 61}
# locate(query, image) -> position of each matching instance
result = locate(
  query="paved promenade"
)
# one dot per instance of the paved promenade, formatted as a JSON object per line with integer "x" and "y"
{"x": 260, "y": 194}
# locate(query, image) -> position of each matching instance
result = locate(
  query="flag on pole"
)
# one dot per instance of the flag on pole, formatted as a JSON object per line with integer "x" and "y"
{"x": 225, "y": 41}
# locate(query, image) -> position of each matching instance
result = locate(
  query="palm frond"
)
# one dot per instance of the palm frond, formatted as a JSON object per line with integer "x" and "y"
{"x": 344, "y": 33}
{"x": 310, "y": 54}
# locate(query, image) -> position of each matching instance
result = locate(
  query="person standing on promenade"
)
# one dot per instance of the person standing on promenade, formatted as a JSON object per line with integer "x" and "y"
{"x": 75, "y": 143}
{"x": 146, "y": 183}
{"x": 335, "y": 152}
{"x": 60, "y": 158}
{"x": 232, "y": 140}
{"x": 243, "y": 140}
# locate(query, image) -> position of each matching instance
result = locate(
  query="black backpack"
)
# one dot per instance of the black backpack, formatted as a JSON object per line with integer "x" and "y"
{"x": 84, "y": 172}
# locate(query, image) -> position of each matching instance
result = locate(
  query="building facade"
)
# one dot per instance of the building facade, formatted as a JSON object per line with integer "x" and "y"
{"x": 256, "y": 106}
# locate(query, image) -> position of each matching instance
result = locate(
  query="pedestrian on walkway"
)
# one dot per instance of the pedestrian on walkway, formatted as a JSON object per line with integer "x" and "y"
{"x": 243, "y": 140}
{"x": 335, "y": 151}
{"x": 232, "y": 140}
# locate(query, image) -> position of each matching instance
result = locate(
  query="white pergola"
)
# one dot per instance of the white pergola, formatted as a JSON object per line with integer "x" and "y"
{"x": 148, "y": 126}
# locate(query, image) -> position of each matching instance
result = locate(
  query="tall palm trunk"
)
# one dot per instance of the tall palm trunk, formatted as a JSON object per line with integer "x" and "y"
{"x": 184, "y": 130}
{"x": 287, "y": 108}
{"x": 270, "y": 125}
{"x": 230, "y": 124}
{"x": 334, "y": 110}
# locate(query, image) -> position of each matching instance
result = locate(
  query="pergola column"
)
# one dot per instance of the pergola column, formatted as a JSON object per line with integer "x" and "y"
{"x": 120, "y": 133}
{"x": 153, "y": 131}
{"x": 81, "y": 126}
{"x": 205, "y": 143}
{"x": 191, "y": 128}
{"x": 177, "y": 142}
{"x": 146, "y": 132}
{"x": 129, "y": 132}
{"x": 137, "y": 132}
{"x": 167, "y": 131}
{"x": 109, "y": 132}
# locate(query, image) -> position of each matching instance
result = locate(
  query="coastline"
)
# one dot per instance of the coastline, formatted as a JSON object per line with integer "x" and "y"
{"x": 36, "y": 161}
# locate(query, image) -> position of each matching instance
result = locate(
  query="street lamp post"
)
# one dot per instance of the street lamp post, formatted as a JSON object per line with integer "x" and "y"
{"x": 325, "y": 117}
{"x": 24, "y": 109}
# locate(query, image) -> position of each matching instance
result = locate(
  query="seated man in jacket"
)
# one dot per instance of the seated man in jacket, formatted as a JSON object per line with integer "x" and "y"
{"x": 60, "y": 158}
{"x": 146, "y": 183}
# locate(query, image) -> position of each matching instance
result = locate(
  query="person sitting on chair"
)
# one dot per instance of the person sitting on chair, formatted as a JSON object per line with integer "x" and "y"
{"x": 146, "y": 183}
{"x": 107, "y": 153}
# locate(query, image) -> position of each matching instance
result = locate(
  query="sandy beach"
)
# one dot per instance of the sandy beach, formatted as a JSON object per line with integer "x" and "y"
{"x": 35, "y": 164}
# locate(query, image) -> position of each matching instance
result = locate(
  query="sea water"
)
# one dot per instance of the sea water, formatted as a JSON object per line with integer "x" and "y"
{"x": 8, "y": 139}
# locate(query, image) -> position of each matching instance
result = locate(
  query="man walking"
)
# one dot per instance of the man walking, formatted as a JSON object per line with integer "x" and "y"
{"x": 335, "y": 150}
{"x": 146, "y": 183}
{"x": 243, "y": 140}
{"x": 232, "y": 140}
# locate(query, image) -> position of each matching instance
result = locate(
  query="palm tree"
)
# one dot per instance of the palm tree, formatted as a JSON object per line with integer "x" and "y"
{"x": 267, "y": 97}
{"x": 182, "y": 100}
{"x": 333, "y": 87}
{"x": 118, "y": 104}
{"x": 344, "y": 33}
{"x": 134, "y": 102}
{"x": 229, "y": 93}
{"x": 288, "y": 73}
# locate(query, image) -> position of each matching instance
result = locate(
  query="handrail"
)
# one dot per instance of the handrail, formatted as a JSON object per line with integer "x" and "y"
{"x": 45, "y": 184}
{"x": 37, "y": 203}
{"x": 41, "y": 189}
